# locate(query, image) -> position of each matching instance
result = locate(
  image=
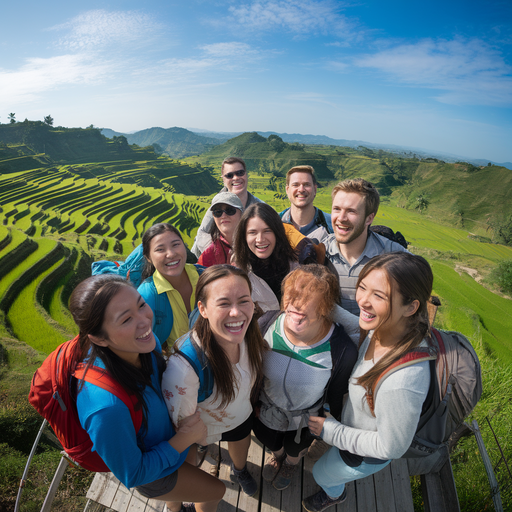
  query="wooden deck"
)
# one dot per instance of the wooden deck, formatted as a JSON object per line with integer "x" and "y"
{"x": 387, "y": 491}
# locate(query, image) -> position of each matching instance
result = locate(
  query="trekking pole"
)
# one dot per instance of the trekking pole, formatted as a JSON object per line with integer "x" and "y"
{"x": 25, "y": 472}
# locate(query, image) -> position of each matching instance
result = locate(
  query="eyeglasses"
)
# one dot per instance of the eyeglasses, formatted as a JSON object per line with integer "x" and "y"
{"x": 231, "y": 175}
{"x": 229, "y": 210}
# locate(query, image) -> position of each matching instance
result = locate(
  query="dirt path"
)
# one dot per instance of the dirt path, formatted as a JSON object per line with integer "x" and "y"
{"x": 471, "y": 271}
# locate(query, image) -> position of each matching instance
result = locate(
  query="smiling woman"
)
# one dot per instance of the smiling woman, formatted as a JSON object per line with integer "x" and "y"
{"x": 170, "y": 288}
{"x": 115, "y": 335}
{"x": 228, "y": 337}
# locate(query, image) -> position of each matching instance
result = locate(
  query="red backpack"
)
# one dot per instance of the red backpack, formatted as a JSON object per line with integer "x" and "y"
{"x": 52, "y": 394}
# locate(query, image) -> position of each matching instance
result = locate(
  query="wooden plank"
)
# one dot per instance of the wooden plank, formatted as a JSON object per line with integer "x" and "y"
{"x": 121, "y": 501}
{"x": 401, "y": 485}
{"x": 366, "y": 495}
{"x": 270, "y": 497}
{"x": 103, "y": 489}
{"x": 291, "y": 497}
{"x": 450, "y": 492}
{"x": 350, "y": 504}
{"x": 431, "y": 489}
{"x": 309, "y": 486}
{"x": 254, "y": 464}
{"x": 138, "y": 502}
{"x": 230, "y": 500}
{"x": 384, "y": 495}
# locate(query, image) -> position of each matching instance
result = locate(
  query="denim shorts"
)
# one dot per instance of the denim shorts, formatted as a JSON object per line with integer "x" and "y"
{"x": 159, "y": 487}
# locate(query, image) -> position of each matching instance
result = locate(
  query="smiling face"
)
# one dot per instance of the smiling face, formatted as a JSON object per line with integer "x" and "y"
{"x": 349, "y": 220}
{"x": 301, "y": 190}
{"x": 302, "y": 320}
{"x": 228, "y": 309}
{"x": 127, "y": 326}
{"x": 261, "y": 240}
{"x": 227, "y": 223}
{"x": 237, "y": 184}
{"x": 168, "y": 254}
{"x": 382, "y": 305}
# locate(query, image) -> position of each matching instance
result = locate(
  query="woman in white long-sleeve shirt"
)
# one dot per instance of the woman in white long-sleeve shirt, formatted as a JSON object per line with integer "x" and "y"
{"x": 392, "y": 293}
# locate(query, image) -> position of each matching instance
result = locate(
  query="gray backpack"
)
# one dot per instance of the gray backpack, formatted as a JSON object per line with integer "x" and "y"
{"x": 455, "y": 388}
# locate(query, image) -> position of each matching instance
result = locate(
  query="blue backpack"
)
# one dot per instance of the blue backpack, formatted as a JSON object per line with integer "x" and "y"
{"x": 192, "y": 352}
{"x": 131, "y": 268}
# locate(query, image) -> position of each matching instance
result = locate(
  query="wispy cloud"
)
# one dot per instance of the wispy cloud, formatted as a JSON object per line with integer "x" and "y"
{"x": 470, "y": 71}
{"x": 37, "y": 76}
{"x": 99, "y": 28}
{"x": 300, "y": 17}
{"x": 233, "y": 49}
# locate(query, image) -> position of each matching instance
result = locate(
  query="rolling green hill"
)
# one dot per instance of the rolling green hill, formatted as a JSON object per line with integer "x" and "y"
{"x": 174, "y": 142}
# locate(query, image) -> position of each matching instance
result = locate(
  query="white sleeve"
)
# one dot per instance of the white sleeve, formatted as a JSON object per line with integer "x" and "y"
{"x": 180, "y": 385}
{"x": 203, "y": 238}
{"x": 398, "y": 407}
{"x": 349, "y": 321}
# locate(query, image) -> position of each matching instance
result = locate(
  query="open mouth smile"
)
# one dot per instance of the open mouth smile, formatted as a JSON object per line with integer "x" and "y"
{"x": 146, "y": 336}
{"x": 234, "y": 327}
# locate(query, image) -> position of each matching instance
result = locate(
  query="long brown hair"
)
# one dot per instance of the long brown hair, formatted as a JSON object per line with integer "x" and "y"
{"x": 411, "y": 276}
{"x": 87, "y": 304}
{"x": 221, "y": 366}
{"x": 283, "y": 251}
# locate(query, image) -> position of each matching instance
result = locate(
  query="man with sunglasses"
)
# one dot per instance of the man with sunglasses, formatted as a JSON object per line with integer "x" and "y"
{"x": 234, "y": 176}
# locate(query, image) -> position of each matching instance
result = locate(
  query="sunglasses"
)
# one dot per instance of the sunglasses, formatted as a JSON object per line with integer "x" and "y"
{"x": 231, "y": 175}
{"x": 229, "y": 210}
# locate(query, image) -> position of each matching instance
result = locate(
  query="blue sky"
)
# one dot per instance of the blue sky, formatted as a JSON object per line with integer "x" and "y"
{"x": 434, "y": 75}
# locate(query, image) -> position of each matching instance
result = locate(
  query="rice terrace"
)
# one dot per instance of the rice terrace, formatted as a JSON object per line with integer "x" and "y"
{"x": 69, "y": 197}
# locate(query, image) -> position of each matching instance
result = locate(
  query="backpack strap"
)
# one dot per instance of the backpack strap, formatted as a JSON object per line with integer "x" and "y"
{"x": 322, "y": 220}
{"x": 442, "y": 364}
{"x": 195, "y": 356}
{"x": 99, "y": 377}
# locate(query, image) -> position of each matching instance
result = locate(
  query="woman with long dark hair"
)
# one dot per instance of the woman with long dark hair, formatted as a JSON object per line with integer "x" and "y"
{"x": 227, "y": 336}
{"x": 392, "y": 293}
{"x": 169, "y": 282}
{"x": 116, "y": 335}
{"x": 262, "y": 247}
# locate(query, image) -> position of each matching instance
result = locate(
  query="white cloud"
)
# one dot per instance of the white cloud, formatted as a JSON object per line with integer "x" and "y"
{"x": 100, "y": 28}
{"x": 300, "y": 17}
{"x": 232, "y": 49}
{"x": 41, "y": 75}
{"x": 470, "y": 71}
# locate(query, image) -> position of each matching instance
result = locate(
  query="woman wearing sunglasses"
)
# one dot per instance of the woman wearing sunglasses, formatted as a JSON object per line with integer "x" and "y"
{"x": 235, "y": 178}
{"x": 227, "y": 211}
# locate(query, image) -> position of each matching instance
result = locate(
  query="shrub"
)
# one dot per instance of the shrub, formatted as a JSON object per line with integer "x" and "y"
{"x": 502, "y": 275}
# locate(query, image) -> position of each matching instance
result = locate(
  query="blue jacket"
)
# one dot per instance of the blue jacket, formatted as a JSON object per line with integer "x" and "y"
{"x": 163, "y": 318}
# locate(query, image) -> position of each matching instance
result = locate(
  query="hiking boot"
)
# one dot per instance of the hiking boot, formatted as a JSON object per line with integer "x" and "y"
{"x": 320, "y": 501}
{"x": 284, "y": 478}
{"x": 317, "y": 449}
{"x": 272, "y": 466}
{"x": 244, "y": 478}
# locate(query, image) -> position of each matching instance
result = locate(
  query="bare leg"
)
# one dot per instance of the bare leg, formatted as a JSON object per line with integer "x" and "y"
{"x": 195, "y": 485}
{"x": 238, "y": 451}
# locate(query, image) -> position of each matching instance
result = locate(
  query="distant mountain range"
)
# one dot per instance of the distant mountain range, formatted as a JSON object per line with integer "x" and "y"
{"x": 181, "y": 142}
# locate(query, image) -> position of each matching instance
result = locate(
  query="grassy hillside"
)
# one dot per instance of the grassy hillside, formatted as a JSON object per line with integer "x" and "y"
{"x": 57, "y": 217}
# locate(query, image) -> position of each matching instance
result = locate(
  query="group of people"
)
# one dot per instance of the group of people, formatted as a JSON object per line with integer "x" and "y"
{"x": 293, "y": 315}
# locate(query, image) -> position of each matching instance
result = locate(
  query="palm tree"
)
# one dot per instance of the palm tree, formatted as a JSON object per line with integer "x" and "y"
{"x": 12, "y": 117}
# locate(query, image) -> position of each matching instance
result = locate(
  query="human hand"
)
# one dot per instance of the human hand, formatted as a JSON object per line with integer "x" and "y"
{"x": 194, "y": 428}
{"x": 316, "y": 425}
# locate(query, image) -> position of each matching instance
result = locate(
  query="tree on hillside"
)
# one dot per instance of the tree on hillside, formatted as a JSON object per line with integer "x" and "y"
{"x": 422, "y": 202}
{"x": 12, "y": 117}
{"x": 48, "y": 120}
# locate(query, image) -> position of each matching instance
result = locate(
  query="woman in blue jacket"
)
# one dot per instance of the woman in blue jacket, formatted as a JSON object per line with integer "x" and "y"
{"x": 170, "y": 289}
{"x": 115, "y": 334}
